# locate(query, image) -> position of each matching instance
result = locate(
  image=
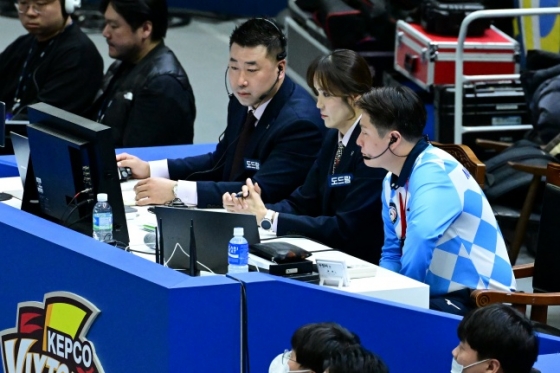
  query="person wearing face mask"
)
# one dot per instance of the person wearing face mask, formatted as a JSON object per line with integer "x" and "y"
{"x": 339, "y": 201}
{"x": 312, "y": 345}
{"x": 495, "y": 339}
{"x": 355, "y": 359}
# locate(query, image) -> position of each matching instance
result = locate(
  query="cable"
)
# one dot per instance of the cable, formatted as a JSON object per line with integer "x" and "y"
{"x": 65, "y": 219}
{"x": 218, "y": 165}
{"x": 79, "y": 220}
{"x": 178, "y": 245}
{"x": 138, "y": 251}
{"x": 244, "y": 326}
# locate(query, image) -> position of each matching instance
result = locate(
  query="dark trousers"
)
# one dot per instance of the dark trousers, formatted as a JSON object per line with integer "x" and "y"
{"x": 457, "y": 302}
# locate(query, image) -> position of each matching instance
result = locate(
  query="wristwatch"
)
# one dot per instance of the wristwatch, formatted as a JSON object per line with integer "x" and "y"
{"x": 175, "y": 190}
{"x": 266, "y": 223}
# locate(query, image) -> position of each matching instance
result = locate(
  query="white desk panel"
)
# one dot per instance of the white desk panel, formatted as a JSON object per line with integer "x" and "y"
{"x": 386, "y": 285}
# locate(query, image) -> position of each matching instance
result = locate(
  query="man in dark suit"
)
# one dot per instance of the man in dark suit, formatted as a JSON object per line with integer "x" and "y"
{"x": 339, "y": 203}
{"x": 273, "y": 134}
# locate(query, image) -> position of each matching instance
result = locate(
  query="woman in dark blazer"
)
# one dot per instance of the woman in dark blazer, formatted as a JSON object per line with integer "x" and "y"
{"x": 339, "y": 202}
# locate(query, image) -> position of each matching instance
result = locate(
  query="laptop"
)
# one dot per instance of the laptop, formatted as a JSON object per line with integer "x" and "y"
{"x": 212, "y": 231}
{"x": 21, "y": 152}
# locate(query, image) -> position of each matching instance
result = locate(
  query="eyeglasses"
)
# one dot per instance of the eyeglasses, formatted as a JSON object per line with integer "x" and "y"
{"x": 37, "y": 6}
{"x": 287, "y": 356}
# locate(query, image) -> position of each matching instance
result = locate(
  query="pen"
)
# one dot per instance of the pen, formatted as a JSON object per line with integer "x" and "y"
{"x": 240, "y": 195}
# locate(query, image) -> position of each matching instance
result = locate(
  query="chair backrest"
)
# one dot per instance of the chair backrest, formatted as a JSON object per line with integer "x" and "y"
{"x": 468, "y": 159}
{"x": 546, "y": 276}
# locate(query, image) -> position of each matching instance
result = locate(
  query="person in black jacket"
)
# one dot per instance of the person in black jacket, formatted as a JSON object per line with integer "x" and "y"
{"x": 55, "y": 62}
{"x": 146, "y": 96}
{"x": 339, "y": 203}
{"x": 273, "y": 131}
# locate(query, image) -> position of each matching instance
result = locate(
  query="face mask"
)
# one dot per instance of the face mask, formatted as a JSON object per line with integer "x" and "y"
{"x": 458, "y": 368}
{"x": 276, "y": 365}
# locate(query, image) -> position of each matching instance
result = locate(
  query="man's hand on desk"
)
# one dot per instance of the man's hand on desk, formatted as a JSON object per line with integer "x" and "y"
{"x": 140, "y": 169}
{"x": 154, "y": 191}
{"x": 249, "y": 202}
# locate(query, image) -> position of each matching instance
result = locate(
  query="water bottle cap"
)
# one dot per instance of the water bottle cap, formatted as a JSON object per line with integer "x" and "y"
{"x": 102, "y": 197}
{"x": 238, "y": 231}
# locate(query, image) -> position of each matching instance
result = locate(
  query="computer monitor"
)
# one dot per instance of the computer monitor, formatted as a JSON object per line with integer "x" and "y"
{"x": 2, "y": 124}
{"x": 72, "y": 159}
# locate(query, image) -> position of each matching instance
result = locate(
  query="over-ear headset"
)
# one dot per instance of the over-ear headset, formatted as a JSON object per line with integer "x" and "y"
{"x": 282, "y": 55}
{"x": 69, "y": 6}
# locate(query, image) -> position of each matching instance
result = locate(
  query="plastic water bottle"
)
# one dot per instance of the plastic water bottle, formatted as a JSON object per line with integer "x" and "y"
{"x": 238, "y": 252}
{"x": 102, "y": 219}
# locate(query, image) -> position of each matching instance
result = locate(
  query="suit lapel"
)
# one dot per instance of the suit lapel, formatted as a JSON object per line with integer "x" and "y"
{"x": 267, "y": 119}
{"x": 349, "y": 152}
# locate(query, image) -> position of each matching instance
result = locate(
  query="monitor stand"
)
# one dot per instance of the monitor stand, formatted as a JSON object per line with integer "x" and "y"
{"x": 5, "y": 197}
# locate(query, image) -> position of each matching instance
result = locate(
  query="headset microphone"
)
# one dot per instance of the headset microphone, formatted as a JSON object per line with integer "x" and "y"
{"x": 263, "y": 96}
{"x": 393, "y": 140}
{"x": 225, "y": 82}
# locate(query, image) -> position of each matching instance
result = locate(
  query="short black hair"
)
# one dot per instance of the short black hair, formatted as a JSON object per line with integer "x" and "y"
{"x": 260, "y": 31}
{"x": 395, "y": 108}
{"x": 315, "y": 343}
{"x": 136, "y": 12}
{"x": 501, "y": 332}
{"x": 355, "y": 359}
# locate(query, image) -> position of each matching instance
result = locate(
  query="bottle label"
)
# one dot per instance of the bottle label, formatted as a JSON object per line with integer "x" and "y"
{"x": 103, "y": 221}
{"x": 238, "y": 254}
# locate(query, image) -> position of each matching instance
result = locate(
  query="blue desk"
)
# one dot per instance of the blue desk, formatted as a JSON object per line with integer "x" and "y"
{"x": 8, "y": 167}
{"x": 408, "y": 339}
{"x": 152, "y": 319}
{"x": 548, "y": 363}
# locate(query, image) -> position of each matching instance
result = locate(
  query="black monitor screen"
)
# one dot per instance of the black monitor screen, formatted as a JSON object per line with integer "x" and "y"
{"x": 2, "y": 124}
{"x": 72, "y": 160}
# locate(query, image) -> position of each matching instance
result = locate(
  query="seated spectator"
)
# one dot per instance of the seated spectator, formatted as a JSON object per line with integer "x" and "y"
{"x": 273, "y": 132}
{"x": 355, "y": 359}
{"x": 495, "y": 339}
{"x": 312, "y": 345}
{"x": 439, "y": 226}
{"x": 55, "y": 62}
{"x": 339, "y": 201}
{"x": 146, "y": 96}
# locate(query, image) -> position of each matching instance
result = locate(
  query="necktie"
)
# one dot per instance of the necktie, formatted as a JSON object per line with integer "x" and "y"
{"x": 337, "y": 156}
{"x": 244, "y": 136}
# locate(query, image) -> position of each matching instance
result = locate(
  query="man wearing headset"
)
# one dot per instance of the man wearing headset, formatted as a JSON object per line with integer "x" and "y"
{"x": 146, "y": 96}
{"x": 439, "y": 226}
{"x": 273, "y": 134}
{"x": 54, "y": 63}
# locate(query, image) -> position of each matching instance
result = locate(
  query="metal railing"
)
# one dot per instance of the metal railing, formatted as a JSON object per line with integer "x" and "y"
{"x": 461, "y": 79}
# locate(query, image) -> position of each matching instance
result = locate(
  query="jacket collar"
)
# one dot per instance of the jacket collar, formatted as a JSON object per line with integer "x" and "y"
{"x": 398, "y": 181}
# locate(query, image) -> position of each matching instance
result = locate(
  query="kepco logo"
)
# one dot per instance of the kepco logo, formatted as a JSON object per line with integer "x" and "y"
{"x": 50, "y": 337}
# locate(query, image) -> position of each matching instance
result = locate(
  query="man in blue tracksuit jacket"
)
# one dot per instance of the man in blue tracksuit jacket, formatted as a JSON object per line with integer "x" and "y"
{"x": 439, "y": 226}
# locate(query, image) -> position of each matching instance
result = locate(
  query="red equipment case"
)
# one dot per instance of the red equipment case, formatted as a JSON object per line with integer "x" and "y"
{"x": 429, "y": 59}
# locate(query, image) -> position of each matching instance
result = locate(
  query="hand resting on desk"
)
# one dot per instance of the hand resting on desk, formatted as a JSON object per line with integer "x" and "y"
{"x": 154, "y": 191}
